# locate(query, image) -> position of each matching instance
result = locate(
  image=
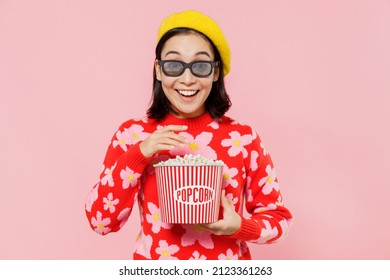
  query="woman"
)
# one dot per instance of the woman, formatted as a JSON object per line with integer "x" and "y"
{"x": 187, "y": 116}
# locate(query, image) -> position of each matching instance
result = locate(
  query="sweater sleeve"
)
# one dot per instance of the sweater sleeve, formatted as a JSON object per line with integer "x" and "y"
{"x": 111, "y": 200}
{"x": 269, "y": 219}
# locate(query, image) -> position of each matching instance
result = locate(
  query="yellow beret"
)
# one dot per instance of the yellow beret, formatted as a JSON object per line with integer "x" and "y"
{"x": 202, "y": 23}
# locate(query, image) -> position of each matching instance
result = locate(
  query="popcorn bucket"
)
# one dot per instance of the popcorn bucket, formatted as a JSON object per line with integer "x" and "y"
{"x": 189, "y": 193}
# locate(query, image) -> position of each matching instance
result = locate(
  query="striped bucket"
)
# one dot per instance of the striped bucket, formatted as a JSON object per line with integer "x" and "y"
{"x": 189, "y": 193}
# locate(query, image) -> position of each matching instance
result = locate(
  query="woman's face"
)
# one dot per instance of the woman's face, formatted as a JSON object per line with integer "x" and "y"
{"x": 187, "y": 93}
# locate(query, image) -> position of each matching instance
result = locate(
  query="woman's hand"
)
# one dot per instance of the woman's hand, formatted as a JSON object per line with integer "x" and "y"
{"x": 230, "y": 223}
{"x": 163, "y": 139}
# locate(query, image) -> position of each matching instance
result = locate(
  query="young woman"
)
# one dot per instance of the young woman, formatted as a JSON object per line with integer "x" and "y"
{"x": 187, "y": 116}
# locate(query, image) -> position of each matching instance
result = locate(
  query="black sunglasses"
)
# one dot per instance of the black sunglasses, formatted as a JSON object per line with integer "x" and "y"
{"x": 175, "y": 68}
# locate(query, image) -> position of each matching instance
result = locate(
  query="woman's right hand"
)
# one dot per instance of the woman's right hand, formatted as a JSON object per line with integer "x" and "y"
{"x": 163, "y": 139}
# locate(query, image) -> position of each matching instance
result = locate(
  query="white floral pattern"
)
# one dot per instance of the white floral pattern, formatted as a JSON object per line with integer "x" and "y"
{"x": 269, "y": 182}
{"x": 110, "y": 202}
{"x": 144, "y": 245}
{"x": 268, "y": 232}
{"x": 154, "y": 218}
{"x": 129, "y": 177}
{"x": 135, "y": 134}
{"x": 228, "y": 256}
{"x": 92, "y": 197}
{"x": 196, "y": 233}
{"x": 197, "y": 145}
{"x": 100, "y": 224}
{"x": 237, "y": 143}
{"x": 166, "y": 251}
{"x": 107, "y": 179}
{"x": 228, "y": 177}
{"x": 124, "y": 216}
{"x": 254, "y": 157}
{"x": 122, "y": 140}
{"x": 197, "y": 256}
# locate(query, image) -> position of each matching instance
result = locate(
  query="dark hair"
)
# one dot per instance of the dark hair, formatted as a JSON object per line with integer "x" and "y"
{"x": 217, "y": 103}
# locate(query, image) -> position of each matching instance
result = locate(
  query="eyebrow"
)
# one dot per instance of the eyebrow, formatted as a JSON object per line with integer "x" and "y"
{"x": 198, "y": 53}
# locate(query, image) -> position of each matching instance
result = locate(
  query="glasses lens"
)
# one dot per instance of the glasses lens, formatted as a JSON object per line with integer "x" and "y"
{"x": 173, "y": 68}
{"x": 201, "y": 68}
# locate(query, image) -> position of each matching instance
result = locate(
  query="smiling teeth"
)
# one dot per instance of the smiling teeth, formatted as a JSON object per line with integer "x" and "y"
{"x": 187, "y": 92}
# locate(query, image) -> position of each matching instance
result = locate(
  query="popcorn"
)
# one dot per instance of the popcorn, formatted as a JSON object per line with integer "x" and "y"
{"x": 190, "y": 160}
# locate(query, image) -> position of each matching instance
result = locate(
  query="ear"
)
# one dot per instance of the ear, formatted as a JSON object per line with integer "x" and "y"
{"x": 158, "y": 70}
{"x": 216, "y": 73}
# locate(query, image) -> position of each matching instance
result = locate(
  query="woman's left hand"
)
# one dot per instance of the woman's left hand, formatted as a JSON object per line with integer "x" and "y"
{"x": 230, "y": 223}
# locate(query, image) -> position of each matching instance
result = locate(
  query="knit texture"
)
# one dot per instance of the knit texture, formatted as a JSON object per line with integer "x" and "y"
{"x": 205, "y": 25}
{"x": 128, "y": 178}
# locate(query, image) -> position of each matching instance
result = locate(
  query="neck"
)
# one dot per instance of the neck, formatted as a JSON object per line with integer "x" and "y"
{"x": 199, "y": 121}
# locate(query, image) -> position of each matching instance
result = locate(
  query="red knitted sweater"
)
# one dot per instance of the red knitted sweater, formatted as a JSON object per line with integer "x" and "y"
{"x": 128, "y": 177}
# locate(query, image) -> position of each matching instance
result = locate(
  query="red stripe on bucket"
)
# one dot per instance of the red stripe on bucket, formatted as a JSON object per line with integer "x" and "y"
{"x": 189, "y": 194}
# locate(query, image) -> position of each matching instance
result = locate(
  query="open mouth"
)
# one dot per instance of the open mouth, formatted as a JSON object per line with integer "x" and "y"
{"x": 187, "y": 93}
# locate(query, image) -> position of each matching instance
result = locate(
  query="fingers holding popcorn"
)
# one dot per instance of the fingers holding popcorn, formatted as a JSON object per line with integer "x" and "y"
{"x": 165, "y": 138}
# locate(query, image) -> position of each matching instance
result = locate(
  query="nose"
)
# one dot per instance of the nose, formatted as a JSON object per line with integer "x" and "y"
{"x": 187, "y": 78}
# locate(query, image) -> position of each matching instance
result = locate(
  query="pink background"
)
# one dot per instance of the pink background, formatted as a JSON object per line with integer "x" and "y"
{"x": 312, "y": 77}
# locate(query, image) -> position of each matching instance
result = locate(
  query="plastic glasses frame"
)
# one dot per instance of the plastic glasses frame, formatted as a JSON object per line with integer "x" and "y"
{"x": 188, "y": 65}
